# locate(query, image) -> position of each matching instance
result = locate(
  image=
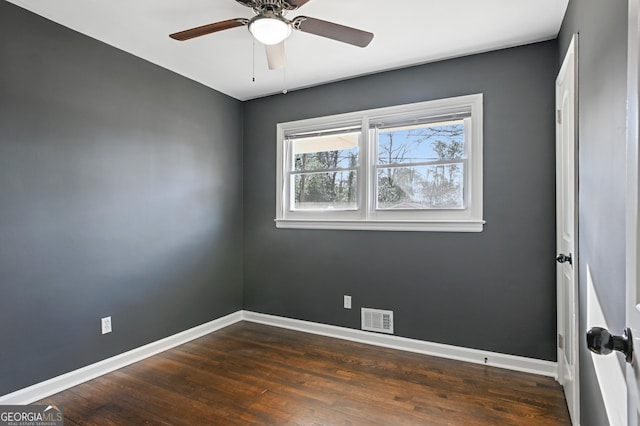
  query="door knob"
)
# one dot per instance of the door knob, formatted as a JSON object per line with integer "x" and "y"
{"x": 602, "y": 342}
{"x": 562, "y": 258}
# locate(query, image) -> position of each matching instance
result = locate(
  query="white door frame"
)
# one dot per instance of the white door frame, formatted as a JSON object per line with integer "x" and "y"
{"x": 568, "y": 309}
{"x": 632, "y": 244}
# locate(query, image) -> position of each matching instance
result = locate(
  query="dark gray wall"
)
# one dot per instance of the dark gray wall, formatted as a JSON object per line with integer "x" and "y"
{"x": 493, "y": 290}
{"x": 602, "y": 125}
{"x": 120, "y": 194}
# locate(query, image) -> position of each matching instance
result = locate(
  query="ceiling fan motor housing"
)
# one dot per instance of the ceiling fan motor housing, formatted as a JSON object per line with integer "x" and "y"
{"x": 275, "y": 6}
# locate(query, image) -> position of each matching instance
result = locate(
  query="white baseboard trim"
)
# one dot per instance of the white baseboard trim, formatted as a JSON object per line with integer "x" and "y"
{"x": 494, "y": 359}
{"x": 57, "y": 384}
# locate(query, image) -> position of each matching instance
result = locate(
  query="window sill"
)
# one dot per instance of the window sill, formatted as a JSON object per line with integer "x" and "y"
{"x": 387, "y": 225}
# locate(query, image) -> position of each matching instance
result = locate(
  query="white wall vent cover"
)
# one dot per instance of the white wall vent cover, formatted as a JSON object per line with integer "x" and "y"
{"x": 377, "y": 320}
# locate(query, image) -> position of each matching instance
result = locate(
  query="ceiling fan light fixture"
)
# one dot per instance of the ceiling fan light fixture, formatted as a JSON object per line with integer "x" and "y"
{"x": 269, "y": 29}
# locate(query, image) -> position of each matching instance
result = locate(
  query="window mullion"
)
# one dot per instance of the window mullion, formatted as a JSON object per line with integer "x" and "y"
{"x": 366, "y": 170}
{"x": 289, "y": 193}
{"x": 312, "y": 171}
{"x": 469, "y": 165}
{"x": 444, "y": 161}
{"x": 373, "y": 162}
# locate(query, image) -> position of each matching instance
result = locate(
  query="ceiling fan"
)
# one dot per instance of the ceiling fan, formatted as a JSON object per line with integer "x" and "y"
{"x": 271, "y": 28}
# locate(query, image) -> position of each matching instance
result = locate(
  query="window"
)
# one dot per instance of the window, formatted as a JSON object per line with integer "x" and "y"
{"x": 324, "y": 174}
{"x": 409, "y": 167}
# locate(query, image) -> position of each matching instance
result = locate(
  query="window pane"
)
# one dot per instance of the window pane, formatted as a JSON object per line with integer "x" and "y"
{"x": 324, "y": 152}
{"x": 420, "y": 143}
{"x": 319, "y": 191}
{"x": 421, "y": 187}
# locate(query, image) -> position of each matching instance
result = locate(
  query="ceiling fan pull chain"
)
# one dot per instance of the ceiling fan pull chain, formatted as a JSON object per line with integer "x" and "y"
{"x": 253, "y": 56}
{"x": 284, "y": 71}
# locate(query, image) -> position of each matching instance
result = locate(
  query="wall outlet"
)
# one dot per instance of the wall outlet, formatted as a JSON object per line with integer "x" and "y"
{"x": 106, "y": 325}
{"x": 347, "y": 302}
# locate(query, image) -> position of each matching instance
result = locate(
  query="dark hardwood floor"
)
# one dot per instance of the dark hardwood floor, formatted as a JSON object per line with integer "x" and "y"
{"x": 254, "y": 374}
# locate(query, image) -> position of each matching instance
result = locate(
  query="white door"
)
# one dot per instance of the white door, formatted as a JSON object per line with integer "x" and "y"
{"x": 621, "y": 396}
{"x": 632, "y": 221}
{"x": 566, "y": 236}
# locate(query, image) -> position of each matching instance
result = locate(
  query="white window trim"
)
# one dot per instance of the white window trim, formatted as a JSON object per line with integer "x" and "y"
{"x": 366, "y": 218}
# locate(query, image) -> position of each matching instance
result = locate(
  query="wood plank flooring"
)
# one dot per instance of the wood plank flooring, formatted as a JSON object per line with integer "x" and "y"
{"x": 255, "y": 374}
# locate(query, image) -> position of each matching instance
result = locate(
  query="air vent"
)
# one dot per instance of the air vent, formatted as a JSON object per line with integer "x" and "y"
{"x": 377, "y": 320}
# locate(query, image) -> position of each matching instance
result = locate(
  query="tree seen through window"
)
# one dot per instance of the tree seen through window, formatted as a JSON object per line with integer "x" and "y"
{"x": 421, "y": 167}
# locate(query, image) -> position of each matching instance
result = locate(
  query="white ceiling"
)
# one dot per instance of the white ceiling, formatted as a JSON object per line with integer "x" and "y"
{"x": 407, "y": 32}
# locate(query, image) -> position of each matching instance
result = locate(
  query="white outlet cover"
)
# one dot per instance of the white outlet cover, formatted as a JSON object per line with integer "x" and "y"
{"x": 106, "y": 325}
{"x": 347, "y": 302}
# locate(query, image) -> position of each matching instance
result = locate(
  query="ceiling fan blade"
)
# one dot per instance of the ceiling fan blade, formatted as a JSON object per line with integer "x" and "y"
{"x": 333, "y": 31}
{"x": 297, "y": 3}
{"x": 208, "y": 29}
{"x": 248, "y": 3}
{"x": 275, "y": 55}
